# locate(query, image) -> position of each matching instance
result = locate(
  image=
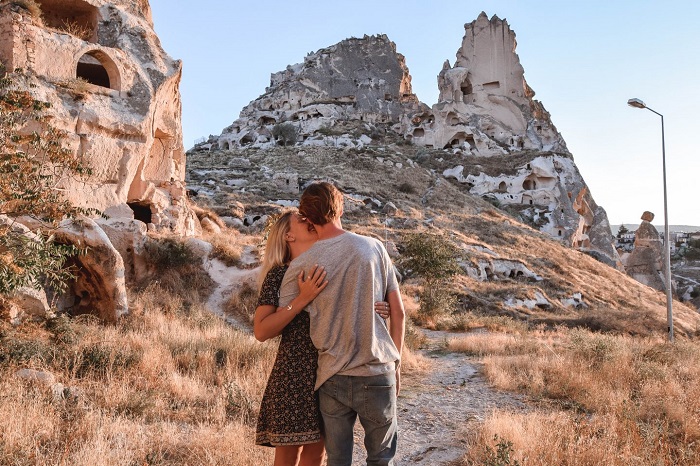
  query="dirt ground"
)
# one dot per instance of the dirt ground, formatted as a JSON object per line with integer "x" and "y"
{"x": 439, "y": 407}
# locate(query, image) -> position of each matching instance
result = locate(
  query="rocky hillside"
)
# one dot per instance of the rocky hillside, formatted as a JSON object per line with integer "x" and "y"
{"x": 487, "y": 131}
{"x": 394, "y": 188}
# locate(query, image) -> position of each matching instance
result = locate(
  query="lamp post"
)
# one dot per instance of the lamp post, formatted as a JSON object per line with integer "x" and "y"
{"x": 667, "y": 237}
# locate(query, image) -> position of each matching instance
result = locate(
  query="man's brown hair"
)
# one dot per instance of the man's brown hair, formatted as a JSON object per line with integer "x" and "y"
{"x": 321, "y": 203}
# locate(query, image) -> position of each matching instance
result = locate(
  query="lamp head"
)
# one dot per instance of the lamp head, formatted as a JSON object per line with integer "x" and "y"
{"x": 636, "y": 103}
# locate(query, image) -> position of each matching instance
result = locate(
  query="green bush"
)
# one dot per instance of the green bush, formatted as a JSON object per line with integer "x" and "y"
{"x": 435, "y": 259}
{"x": 430, "y": 256}
{"x": 434, "y": 301}
{"x": 286, "y": 133}
{"x": 167, "y": 253}
{"x": 33, "y": 166}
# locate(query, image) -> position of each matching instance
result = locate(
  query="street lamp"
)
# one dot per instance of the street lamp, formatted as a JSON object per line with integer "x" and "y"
{"x": 636, "y": 103}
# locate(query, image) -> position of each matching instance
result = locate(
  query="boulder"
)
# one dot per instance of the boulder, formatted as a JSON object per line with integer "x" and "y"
{"x": 99, "y": 287}
{"x": 645, "y": 262}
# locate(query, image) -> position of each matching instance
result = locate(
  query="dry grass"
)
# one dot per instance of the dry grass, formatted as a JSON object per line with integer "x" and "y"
{"x": 613, "y": 400}
{"x": 170, "y": 384}
{"x": 78, "y": 30}
{"x": 78, "y": 87}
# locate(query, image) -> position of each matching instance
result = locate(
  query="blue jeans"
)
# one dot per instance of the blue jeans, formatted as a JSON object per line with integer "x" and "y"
{"x": 342, "y": 399}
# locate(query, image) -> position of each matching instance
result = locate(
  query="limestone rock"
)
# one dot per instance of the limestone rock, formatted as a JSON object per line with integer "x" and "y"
{"x": 364, "y": 80}
{"x": 32, "y": 302}
{"x": 645, "y": 262}
{"x": 128, "y": 236}
{"x": 648, "y": 216}
{"x": 549, "y": 193}
{"x": 115, "y": 91}
{"x": 99, "y": 287}
{"x": 485, "y": 106}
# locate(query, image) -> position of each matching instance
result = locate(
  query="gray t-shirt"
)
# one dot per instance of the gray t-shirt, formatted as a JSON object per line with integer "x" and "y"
{"x": 350, "y": 337}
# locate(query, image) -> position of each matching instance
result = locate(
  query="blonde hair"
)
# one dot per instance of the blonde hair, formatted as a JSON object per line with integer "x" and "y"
{"x": 276, "y": 248}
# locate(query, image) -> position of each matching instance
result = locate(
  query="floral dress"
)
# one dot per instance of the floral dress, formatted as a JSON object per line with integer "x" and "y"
{"x": 289, "y": 413}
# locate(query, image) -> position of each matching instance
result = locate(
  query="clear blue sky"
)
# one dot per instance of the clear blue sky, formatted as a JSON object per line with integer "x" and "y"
{"x": 584, "y": 59}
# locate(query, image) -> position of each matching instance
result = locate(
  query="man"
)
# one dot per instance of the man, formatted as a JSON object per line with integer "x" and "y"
{"x": 358, "y": 355}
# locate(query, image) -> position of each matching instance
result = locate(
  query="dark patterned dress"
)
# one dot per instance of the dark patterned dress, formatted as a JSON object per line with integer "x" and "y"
{"x": 289, "y": 413}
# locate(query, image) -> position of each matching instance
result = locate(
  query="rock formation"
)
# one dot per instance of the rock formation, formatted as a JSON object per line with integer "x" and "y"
{"x": 364, "y": 80}
{"x": 115, "y": 92}
{"x": 485, "y": 105}
{"x": 486, "y": 110}
{"x": 645, "y": 262}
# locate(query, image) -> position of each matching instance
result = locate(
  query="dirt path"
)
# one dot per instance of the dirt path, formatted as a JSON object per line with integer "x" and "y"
{"x": 438, "y": 407}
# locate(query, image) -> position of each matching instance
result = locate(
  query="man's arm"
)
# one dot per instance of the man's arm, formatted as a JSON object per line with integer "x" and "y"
{"x": 397, "y": 319}
{"x": 397, "y": 327}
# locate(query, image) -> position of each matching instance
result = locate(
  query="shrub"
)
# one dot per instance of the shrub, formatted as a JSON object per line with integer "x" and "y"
{"x": 286, "y": 133}
{"x": 241, "y": 305}
{"x": 434, "y": 258}
{"x": 431, "y": 256}
{"x": 692, "y": 254}
{"x": 406, "y": 188}
{"x": 34, "y": 167}
{"x": 166, "y": 253}
{"x": 434, "y": 301}
{"x": 501, "y": 456}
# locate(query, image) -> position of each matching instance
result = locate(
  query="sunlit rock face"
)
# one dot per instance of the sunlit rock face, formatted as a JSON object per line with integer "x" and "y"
{"x": 115, "y": 91}
{"x": 363, "y": 80}
{"x": 486, "y": 109}
{"x": 485, "y": 106}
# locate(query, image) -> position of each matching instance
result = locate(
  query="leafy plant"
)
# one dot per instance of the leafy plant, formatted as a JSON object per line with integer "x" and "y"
{"x": 286, "y": 133}
{"x": 434, "y": 258}
{"x": 501, "y": 455}
{"x": 165, "y": 253}
{"x": 35, "y": 166}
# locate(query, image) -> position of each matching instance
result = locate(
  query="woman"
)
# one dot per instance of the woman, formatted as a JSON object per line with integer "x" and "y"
{"x": 289, "y": 418}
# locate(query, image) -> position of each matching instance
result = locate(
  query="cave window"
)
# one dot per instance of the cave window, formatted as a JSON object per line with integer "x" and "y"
{"x": 226, "y": 145}
{"x": 539, "y": 128}
{"x": 142, "y": 212}
{"x": 470, "y": 140}
{"x": 559, "y": 233}
{"x": 97, "y": 68}
{"x": 91, "y": 70}
{"x": 529, "y": 185}
{"x": 267, "y": 121}
{"x": 502, "y": 187}
{"x": 418, "y": 132}
{"x": 77, "y": 18}
{"x": 466, "y": 88}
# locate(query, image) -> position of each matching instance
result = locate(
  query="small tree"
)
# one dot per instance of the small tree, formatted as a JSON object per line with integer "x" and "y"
{"x": 434, "y": 258}
{"x": 287, "y": 133}
{"x": 34, "y": 165}
{"x": 621, "y": 231}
